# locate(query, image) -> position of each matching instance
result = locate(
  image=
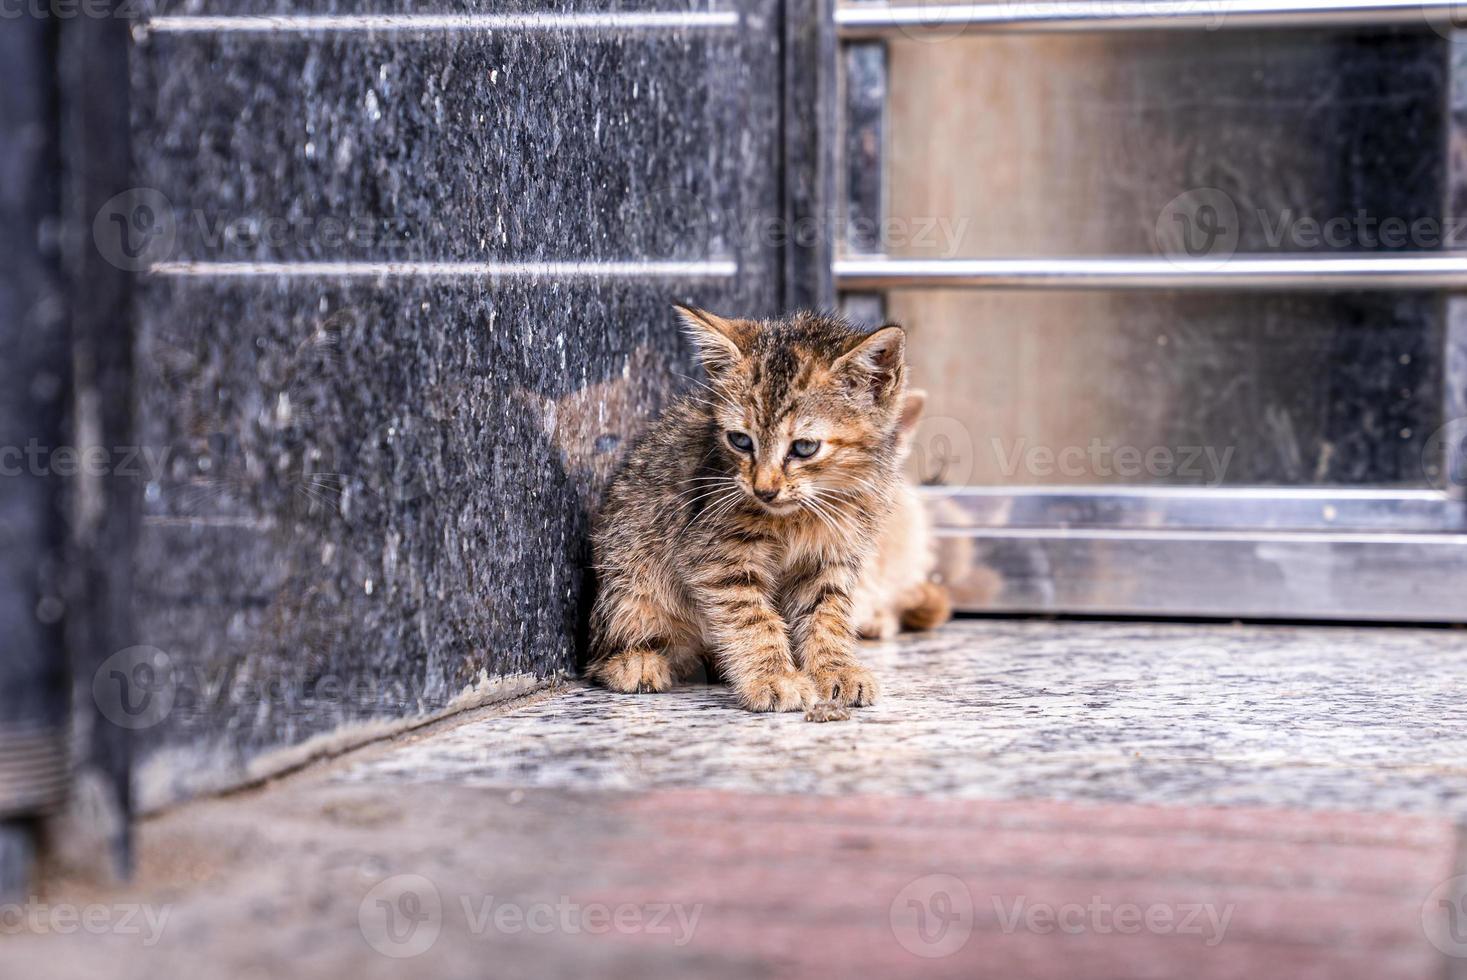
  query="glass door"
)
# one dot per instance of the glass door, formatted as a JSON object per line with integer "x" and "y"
{"x": 1181, "y": 292}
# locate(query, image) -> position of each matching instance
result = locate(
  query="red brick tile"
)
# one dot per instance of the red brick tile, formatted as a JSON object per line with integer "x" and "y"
{"x": 808, "y": 885}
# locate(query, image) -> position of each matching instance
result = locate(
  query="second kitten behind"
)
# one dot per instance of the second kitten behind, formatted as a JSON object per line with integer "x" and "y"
{"x": 896, "y": 590}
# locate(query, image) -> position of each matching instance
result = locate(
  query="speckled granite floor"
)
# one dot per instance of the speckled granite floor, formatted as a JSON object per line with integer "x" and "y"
{"x": 1029, "y": 800}
{"x": 1336, "y": 718}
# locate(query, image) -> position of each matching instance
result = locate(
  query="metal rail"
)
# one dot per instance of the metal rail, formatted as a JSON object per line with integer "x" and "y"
{"x": 590, "y": 21}
{"x": 1204, "y": 509}
{"x": 877, "y": 20}
{"x": 1398, "y": 271}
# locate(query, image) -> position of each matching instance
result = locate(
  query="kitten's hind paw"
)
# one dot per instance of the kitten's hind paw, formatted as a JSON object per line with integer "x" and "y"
{"x": 851, "y": 684}
{"x": 882, "y": 626}
{"x": 635, "y": 671}
{"x": 928, "y": 606}
{"x": 778, "y": 692}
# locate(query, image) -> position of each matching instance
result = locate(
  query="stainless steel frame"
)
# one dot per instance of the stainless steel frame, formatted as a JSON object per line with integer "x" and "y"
{"x": 1305, "y": 553}
{"x": 879, "y": 20}
{"x": 1149, "y": 508}
{"x": 1252, "y": 272}
{"x": 1227, "y": 574}
{"x": 1263, "y": 552}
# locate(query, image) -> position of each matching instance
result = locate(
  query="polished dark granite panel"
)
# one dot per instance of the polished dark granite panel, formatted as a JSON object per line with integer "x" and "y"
{"x": 455, "y": 147}
{"x": 369, "y": 498}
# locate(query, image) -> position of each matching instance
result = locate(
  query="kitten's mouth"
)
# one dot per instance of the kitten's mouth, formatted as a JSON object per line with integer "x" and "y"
{"x": 785, "y": 506}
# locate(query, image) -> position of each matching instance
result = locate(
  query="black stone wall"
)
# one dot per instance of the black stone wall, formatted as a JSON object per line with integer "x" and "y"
{"x": 366, "y": 490}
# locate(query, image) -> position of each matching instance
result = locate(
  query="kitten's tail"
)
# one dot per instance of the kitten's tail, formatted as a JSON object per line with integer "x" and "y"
{"x": 926, "y": 606}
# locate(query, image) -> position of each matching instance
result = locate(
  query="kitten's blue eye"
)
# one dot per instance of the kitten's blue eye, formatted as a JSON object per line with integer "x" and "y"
{"x": 740, "y": 441}
{"x": 804, "y": 448}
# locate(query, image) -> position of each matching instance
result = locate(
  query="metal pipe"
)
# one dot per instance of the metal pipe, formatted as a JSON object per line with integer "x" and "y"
{"x": 873, "y": 20}
{"x": 1395, "y": 271}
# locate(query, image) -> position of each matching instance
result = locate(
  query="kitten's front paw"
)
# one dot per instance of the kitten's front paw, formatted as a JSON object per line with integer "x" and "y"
{"x": 635, "y": 672}
{"x": 849, "y": 684}
{"x": 778, "y": 692}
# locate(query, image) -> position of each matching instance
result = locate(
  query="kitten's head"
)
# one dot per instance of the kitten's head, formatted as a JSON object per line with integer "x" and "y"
{"x": 806, "y": 409}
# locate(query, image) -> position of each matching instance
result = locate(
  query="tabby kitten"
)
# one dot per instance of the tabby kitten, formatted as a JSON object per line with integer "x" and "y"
{"x": 739, "y": 524}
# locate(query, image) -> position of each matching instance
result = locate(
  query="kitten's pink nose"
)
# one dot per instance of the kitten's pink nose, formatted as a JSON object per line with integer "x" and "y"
{"x": 766, "y": 481}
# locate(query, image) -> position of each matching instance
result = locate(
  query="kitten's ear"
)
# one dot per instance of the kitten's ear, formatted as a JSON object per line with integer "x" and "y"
{"x": 878, "y": 360}
{"x": 912, "y": 406}
{"x": 719, "y": 341}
